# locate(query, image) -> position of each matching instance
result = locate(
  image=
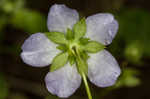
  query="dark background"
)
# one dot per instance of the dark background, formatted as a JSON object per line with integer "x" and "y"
{"x": 131, "y": 47}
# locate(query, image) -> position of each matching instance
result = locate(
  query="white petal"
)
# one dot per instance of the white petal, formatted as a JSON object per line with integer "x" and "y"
{"x": 63, "y": 82}
{"x": 61, "y": 17}
{"x": 38, "y": 50}
{"x": 102, "y": 27}
{"x": 103, "y": 69}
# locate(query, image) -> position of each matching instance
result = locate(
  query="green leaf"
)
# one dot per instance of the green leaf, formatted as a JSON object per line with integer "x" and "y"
{"x": 62, "y": 47}
{"x": 79, "y": 29}
{"x": 57, "y": 37}
{"x": 59, "y": 61}
{"x": 69, "y": 34}
{"x": 93, "y": 47}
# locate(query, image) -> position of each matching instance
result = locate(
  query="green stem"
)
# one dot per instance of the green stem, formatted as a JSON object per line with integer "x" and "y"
{"x": 87, "y": 86}
{"x": 79, "y": 61}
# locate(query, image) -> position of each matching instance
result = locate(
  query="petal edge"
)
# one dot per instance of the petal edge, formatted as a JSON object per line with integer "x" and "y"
{"x": 38, "y": 50}
{"x": 63, "y": 82}
{"x": 103, "y": 69}
{"x": 102, "y": 27}
{"x": 61, "y": 17}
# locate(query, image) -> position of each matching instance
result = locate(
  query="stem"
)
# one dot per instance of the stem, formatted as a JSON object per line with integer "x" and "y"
{"x": 79, "y": 61}
{"x": 86, "y": 86}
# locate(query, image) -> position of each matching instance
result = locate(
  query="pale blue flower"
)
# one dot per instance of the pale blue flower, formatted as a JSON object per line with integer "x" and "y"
{"x": 103, "y": 69}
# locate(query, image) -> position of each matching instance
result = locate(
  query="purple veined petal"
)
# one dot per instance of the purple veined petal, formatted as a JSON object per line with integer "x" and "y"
{"x": 61, "y": 17}
{"x": 64, "y": 81}
{"x": 38, "y": 50}
{"x": 102, "y": 27}
{"x": 103, "y": 69}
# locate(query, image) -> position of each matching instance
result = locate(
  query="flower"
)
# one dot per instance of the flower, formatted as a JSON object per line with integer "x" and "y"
{"x": 39, "y": 51}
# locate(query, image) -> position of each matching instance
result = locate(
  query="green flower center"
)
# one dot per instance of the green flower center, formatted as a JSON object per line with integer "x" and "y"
{"x": 74, "y": 47}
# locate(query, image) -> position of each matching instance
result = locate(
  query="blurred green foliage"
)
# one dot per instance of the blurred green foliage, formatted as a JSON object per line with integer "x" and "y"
{"x": 134, "y": 52}
{"x": 9, "y": 6}
{"x": 3, "y": 22}
{"x": 3, "y": 87}
{"x": 133, "y": 36}
{"x": 15, "y": 12}
{"x": 128, "y": 78}
{"x": 29, "y": 21}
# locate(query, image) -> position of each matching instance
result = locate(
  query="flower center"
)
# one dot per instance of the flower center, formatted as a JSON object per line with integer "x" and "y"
{"x": 73, "y": 46}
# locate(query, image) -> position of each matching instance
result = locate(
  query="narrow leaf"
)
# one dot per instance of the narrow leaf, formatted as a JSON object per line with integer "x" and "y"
{"x": 79, "y": 29}
{"x": 57, "y": 37}
{"x": 93, "y": 47}
{"x": 59, "y": 61}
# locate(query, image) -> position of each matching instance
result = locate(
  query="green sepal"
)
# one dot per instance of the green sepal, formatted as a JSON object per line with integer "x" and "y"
{"x": 84, "y": 41}
{"x": 62, "y": 48}
{"x": 85, "y": 56}
{"x": 59, "y": 61}
{"x": 56, "y": 37}
{"x": 72, "y": 60}
{"x": 82, "y": 66}
{"x": 69, "y": 34}
{"x": 79, "y": 29}
{"x": 93, "y": 47}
